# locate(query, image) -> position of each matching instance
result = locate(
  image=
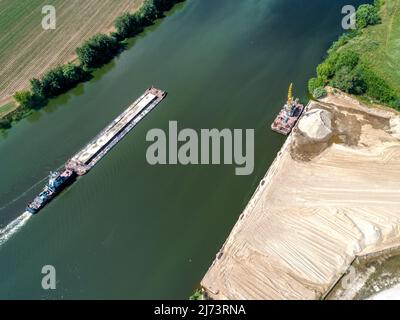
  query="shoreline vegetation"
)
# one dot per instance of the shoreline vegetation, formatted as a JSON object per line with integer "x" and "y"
{"x": 28, "y": 50}
{"x": 95, "y": 52}
{"x": 358, "y": 62}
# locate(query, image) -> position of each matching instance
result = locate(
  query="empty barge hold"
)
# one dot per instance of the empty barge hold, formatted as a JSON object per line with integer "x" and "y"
{"x": 96, "y": 149}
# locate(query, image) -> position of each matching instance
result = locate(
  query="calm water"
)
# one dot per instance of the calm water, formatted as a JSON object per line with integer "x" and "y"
{"x": 130, "y": 230}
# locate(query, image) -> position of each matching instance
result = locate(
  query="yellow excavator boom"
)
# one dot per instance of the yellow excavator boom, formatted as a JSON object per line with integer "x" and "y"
{"x": 290, "y": 94}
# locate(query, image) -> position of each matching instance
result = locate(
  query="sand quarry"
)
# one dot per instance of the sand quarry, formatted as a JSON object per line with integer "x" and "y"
{"x": 332, "y": 194}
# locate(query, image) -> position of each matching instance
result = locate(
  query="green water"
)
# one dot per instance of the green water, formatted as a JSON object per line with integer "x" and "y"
{"x": 131, "y": 230}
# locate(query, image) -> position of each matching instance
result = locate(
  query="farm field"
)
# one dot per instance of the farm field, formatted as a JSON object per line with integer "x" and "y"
{"x": 27, "y": 50}
{"x": 7, "y": 108}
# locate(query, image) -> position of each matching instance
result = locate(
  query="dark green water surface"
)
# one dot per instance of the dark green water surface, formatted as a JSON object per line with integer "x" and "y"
{"x": 131, "y": 230}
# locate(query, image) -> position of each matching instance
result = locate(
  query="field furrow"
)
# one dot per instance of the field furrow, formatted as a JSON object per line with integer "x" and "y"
{"x": 28, "y": 51}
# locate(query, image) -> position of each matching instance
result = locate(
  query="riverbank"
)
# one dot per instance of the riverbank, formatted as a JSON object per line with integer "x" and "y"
{"x": 93, "y": 54}
{"x": 365, "y": 61}
{"x": 28, "y": 51}
{"x": 330, "y": 195}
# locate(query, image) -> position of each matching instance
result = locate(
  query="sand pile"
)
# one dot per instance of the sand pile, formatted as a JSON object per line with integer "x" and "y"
{"x": 316, "y": 124}
{"x": 395, "y": 126}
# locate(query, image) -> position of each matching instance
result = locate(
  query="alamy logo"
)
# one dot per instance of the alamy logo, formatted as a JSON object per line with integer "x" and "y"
{"x": 49, "y": 280}
{"x": 349, "y": 20}
{"x": 195, "y": 148}
{"x": 49, "y": 20}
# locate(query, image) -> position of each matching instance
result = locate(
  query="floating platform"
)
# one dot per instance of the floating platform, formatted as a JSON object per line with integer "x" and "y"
{"x": 287, "y": 117}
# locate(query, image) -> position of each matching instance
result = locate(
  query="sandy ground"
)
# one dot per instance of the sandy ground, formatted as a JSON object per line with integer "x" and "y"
{"x": 321, "y": 203}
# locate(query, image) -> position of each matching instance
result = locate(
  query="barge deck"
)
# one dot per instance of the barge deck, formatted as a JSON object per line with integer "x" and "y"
{"x": 97, "y": 148}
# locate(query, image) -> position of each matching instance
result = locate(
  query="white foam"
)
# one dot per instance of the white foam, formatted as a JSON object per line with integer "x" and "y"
{"x": 7, "y": 232}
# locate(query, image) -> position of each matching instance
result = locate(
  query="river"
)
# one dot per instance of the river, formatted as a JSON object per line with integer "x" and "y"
{"x": 131, "y": 230}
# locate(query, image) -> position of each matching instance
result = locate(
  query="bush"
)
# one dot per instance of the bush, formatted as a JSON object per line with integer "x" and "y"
{"x": 377, "y": 88}
{"x": 315, "y": 83}
{"x": 350, "y": 80}
{"x": 197, "y": 295}
{"x": 58, "y": 81}
{"x": 164, "y": 5}
{"x": 128, "y": 25}
{"x": 148, "y": 13}
{"x": 347, "y": 58}
{"x": 5, "y": 124}
{"x": 27, "y": 100}
{"x": 367, "y": 14}
{"x": 23, "y": 98}
{"x": 97, "y": 51}
{"x": 73, "y": 74}
{"x": 379, "y": 3}
{"x": 337, "y": 71}
{"x": 396, "y": 104}
{"x": 319, "y": 93}
{"x": 325, "y": 70}
{"x": 37, "y": 88}
{"x": 343, "y": 39}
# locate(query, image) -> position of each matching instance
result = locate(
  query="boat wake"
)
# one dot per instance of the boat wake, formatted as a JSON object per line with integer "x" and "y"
{"x": 22, "y": 194}
{"x": 26, "y": 192}
{"x": 13, "y": 227}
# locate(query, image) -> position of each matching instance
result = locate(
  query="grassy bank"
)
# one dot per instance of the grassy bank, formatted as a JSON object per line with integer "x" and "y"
{"x": 366, "y": 61}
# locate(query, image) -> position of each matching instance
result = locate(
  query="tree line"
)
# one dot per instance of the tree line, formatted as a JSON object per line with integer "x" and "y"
{"x": 94, "y": 53}
{"x": 344, "y": 69}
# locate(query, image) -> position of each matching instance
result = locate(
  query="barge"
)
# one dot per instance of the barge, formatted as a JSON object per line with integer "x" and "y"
{"x": 97, "y": 148}
{"x": 288, "y": 116}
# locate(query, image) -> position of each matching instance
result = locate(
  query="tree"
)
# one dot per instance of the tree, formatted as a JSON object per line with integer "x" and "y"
{"x": 52, "y": 83}
{"x": 55, "y": 82}
{"x": 347, "y": 58}
{"x": 24, "y": 98}
{"x": 73, "y": 74}
{"x": 197, "y": 295}
{"x": 315, "y": 83}
{"x": 350, "y": 80}
{"x": 396, "y": 104}
{"x": 97, "y": 51}
{"x": 367, "y": 14}
{"x": 164, "y": 5}
{"x": 128, "y": 25}
{"x": 37, "y": 88}
{"x": 5, "y": 124}
{"x": 320, "y": 93}
{"x": 325, "y": 70}
{"x": 378, "y": 88}
{"x": 148, "y": 13}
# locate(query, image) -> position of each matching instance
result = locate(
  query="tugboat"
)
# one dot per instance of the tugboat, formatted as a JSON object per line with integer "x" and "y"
{"x": 288, "y": 116}
{"x": 57, "y": 182}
